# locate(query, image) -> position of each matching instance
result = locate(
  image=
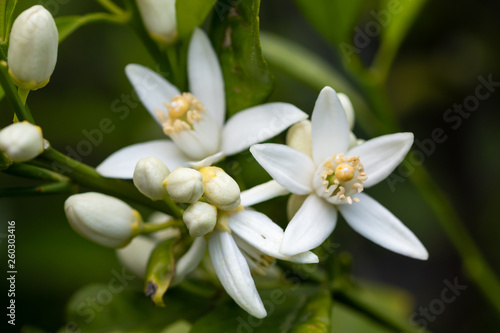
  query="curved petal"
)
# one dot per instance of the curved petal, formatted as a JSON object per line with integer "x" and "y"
{"x": 205, "y": 76}
{"x": 234, "y": 274}
{"x": 153, "y": 90}
{"x": 257, "y": 124}
{"x": 375, "y": 222}
{"x": 330, "y": 130}
{"x": 262, "y": 192}
{"x": 289, "y": 167}
{"x": 136, "y": 254}
{"x": 121, "y": 163}
{"x": 380, "y": 156}
{"x": 263, "y": 234}
{"x": 190, "y": 260}
{"x": 310, "y": 226}
{"x": 207, "y": 161}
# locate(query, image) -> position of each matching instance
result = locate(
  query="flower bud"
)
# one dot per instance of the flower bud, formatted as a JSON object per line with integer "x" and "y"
{"x": 33, "y": 48}
{"x": 184, "y": 185}
{"x": 102, "y": 219}
{"x": 159, "y": 17}
{"x": 299, "y": 137}
{"x": 348, "y": 108}
{"x": 200, "y": 218}
{"x": 221, "y": 190}
{"x": 21, "y": 141}
{"x": 149, "y": 175}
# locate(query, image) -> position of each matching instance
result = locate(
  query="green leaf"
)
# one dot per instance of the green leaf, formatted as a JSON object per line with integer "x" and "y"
{"x": 191, "y": 14}
{"x": 247, "y": 79}
{"x": 118, "y": 307}
{"x": 334, "y": 19}
{"x": 6, "y": 10}
{"x": 2, "y": 93}
{"x": 282, "y": 305}
{"x": 160, "y": 271}
{"x": 66, "y": 25}
{"x": 315, "y": 316}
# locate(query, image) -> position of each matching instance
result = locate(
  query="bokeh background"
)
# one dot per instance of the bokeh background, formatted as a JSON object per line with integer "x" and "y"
{"x": 450, "y": 45}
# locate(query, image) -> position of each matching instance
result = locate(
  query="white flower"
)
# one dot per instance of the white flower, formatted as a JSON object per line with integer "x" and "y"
{"x": 195, "y": 122}
{"x": 102, "y": 219}
{"x": 149, "y": 175}
{"x": 245, "y": 240}
{"x": 22, "y": 141}
{"x": 184, "y": 185}
{"x": 221, "y": 190}
{"x": 159, "y": 17}
{"x": 333, "y": 177}
{"x": 200, "y": 218}
{"x": 33, "y": 46}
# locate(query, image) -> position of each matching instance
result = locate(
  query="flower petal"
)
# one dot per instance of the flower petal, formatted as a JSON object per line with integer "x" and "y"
{"x": 153, "y": 90}
{"x": 190, "y": 260}
{"x": 310, "y": 226}
{"x": 234, "y": 274}
{"x": 380, "y": 156}
{"x": 289, "y": 167}
{"x": 375, "y": 222}
{"x": 262, "y": 192}
{"x": 210, "y": 160}
{"x": 121, "y": 163}
{"x": 330, "y": 130}
{"x": 257, "y": 124}
{"x": 205, "y": 76}
{"x": 263, "y": 234}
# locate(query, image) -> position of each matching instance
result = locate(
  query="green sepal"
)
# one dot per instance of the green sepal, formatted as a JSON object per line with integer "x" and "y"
{"x": 315, "y": 315}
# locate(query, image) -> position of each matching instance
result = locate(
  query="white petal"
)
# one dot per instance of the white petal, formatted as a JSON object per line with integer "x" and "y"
{"x": 210, "y": 160}
{"x": 348, "y": 108}
{"x": 190, "y": 260}
{"x": 289, "y": 167}
{"x": 330, "y": 130}
{"x": 257, "y": 124}
{"x": 121, "y": 163}
{"x": 263, "y": 234}
{"x": 153, "y": 90}
{"x": 262, "y": 192}
{"x": 310, "y": 226}
{"x": 380, "y": 156}
{"x": 234, "y": 274}
{"x": 135, "y": 255}
{"x": 205, "y": 76}
{"x": 375, "y": 222}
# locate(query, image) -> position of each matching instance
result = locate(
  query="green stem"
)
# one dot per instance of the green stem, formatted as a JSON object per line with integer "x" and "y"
{"x": 34, "y": 172}
{"x": 46, "y": 189}
{"x": 86, "y": 176}
{"x": 23, "y": 94}
{"x": 150, "y": 228}
{"x": 5, "y": 161}
{"x": 21, "y": 110}
{"x": 111, "y": 6}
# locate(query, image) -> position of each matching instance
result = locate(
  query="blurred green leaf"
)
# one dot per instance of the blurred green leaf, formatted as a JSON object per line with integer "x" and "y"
{"x": 334, "y": 19}
{"x": 32, "y": 329}
{"x": 160, "y": 271}
{"x": 6, "y": 10}
{"x": 247, "y": 79}
{"x": 282, "y": 305}
{"x": 66, "y": 25}
{"x": 2, "y": 93}
{"x": 315, "y": 315}
{"x": 191, "y": 14}
{"x": 180, "y": 326}
{"x": 113, "y": 308}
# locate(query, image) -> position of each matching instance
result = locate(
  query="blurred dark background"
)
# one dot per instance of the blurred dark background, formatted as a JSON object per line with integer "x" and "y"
{"x": 450, "y": 45}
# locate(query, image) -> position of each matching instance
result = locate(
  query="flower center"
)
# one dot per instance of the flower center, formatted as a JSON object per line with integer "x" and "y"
{"x": 340, "y": 178}
{"x": 183, "y": 111}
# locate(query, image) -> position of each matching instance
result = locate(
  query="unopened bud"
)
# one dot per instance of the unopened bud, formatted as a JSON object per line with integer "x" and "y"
{"x": 221, "y": 190}
{"x": 159, "y": 17}
{"x": 299, "y": 137}
{"x": 102, "y": 219}
{"x": 348, "y": 108}
{"x": 184, "y": 185}
{"x": 33, "y": 46}
{"x": 200, "y": 218}
{"x": 22, "y": 141}
{"x": 149, "y": 175}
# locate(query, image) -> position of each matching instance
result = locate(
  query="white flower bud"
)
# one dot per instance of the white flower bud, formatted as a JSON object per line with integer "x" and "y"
{"x": 21, "y": 141}
{"x": 184, "y": 185}
{"x": 200, "y": 218}
{"x": 299, "y": 137}
{"x": 159, "y": 17}
{"x": 33, "y": 48}
{"x": 102, "y": 219}
{"x": 149, "y": 175}
{"x": 221, "y": 190}
{"x": 348, "y": 108}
